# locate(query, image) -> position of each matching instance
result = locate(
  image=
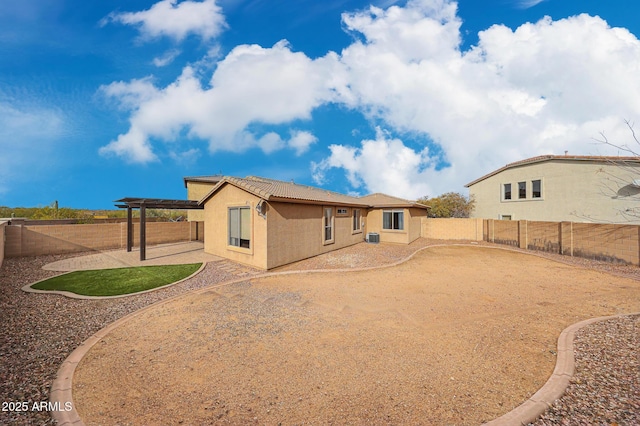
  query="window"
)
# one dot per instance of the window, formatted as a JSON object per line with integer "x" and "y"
{"x": 240, "y": 227}
{"x": 343, "y": 211}
{"x": 393, "y": 219}
{"x": 536, "y": 191}
{"x": 356, "y": 220}
{"x": 522, "y": 189}
{"x": 505, "y": 217}
{"x": 507, "y": 191}
{"x": 328, "y": 224}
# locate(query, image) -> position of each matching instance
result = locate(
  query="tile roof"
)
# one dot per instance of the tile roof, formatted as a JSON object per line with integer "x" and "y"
{"x": 277, "y": 190}
{"x": 383, "y": 200}
{"x": 542, "y": 158}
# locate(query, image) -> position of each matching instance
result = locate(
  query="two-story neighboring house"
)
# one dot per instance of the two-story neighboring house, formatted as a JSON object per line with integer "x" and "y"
{"x": 561, "y": 188}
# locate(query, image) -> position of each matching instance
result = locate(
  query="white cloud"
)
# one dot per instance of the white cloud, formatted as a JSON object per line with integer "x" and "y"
{"x": 301, "y": 141}
{"x": 167, "y": 58}
{"x": 168, "y": 18}
{"x": 381, "y": 165}
{"x": 251, "y": 85}
{"x": 526, "y": 4}
{"x": 545, "y": 87}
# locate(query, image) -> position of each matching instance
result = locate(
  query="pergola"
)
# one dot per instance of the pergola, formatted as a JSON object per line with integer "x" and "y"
{"x": 152, "y": 203}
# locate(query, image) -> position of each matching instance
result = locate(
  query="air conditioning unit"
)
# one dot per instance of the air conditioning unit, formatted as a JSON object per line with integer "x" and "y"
{"x": 373, "y": 237}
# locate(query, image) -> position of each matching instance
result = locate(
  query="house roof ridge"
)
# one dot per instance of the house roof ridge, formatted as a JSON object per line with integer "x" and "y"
{"x": 386, "y": 195}
{"x": 274, "y": 189}
{"x": 552, "y": 157}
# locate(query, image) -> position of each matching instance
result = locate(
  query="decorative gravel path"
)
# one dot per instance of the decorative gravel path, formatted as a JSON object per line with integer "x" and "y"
{"x": 39, "y": 332}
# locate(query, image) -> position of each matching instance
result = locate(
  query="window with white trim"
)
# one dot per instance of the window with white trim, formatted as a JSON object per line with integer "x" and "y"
{"x": 239, "y": 227}
{"x": 357, "y": 225}
{"x": 536, "y": 188}
{"x": 507, "y": 191}
{"x": 328, "y": 224}
{"x": 393, "y": 219}
{"x": 522, "y": 190}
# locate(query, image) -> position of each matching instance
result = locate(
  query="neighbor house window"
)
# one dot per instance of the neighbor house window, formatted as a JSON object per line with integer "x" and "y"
{"x": 393, "y": 219}
{"x": 536, "y": 189}
{"x": 240, "y": 227}
{"x": 356, "y": 220}
{"x": 522, "y": 189}
{"x": 328, "y": 224}
{"x": 343, "y": 211}
{"x": 507, "y": 191}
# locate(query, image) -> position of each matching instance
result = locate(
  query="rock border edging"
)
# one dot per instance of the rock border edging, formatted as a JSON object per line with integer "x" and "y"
{"x": 554, "y": 388}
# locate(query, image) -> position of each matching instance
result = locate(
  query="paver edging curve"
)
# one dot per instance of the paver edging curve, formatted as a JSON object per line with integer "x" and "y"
{"x": 556, "y": 385}
{"x": 61, "y": 388}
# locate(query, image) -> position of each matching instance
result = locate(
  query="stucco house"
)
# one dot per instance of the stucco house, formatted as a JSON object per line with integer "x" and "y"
{"x": 197, "y": 187}
{"x": 267, "y": 223}
{"x": 559, "y": 188}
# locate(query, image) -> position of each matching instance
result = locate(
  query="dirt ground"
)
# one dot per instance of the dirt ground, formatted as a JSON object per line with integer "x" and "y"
{"x": 456, "y": 335}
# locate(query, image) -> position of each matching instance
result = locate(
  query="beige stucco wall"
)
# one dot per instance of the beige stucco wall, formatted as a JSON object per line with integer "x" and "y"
{"x": 417, "y": 215}
{"x": 452, "y": 228}
{"x": 412, "y": 225}
{"x": 196, "y": 191}
{"x": 578, "y": 191}
{"x": 36, "y": 240}
{"x": 295, "y": 232}
{"x": 216, "y": 223}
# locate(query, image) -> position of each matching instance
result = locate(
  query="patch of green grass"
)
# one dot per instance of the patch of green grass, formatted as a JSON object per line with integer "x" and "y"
{"x": 115, "y": 282}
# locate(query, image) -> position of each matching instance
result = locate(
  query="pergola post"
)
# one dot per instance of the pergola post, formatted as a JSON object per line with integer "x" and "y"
{"x": 129, "y": 228}
{"x": 143, "y": 232}
{"x": 152, "y": 203}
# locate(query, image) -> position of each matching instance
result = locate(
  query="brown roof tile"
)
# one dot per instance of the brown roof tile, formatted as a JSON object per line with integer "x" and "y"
{"x": 383, "y": 200}
{"x": 277, "y": 190}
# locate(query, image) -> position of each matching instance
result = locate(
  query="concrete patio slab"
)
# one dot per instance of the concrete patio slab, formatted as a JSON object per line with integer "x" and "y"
{"x": 165, "y": 254}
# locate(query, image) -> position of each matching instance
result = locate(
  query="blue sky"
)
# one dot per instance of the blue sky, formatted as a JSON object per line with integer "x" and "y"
{"x": 105, "y": 99}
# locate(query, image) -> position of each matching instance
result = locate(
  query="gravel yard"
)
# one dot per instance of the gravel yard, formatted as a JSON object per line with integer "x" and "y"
{"x": 425, "y": 342}
{"x": 39, "y": 331}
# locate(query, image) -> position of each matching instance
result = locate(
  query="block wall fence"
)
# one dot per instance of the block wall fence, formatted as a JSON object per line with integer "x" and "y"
{"x": 3, "y": 226}
{"x": 607, "y": 242}
{"x": 452, "y": 229}
{"x": 36, "y": 240}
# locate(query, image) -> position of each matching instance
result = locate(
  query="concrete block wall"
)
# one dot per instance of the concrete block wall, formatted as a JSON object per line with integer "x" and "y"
{"x": 607, "y": 242}
{"x": 3, "y": 226}
{"x": 506, "y": 232}
{"x": 543, "y": 236}
{"x": 611, "y": 243}
{"x": 452, "y": 229}
{"x": 38, "y": 240}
